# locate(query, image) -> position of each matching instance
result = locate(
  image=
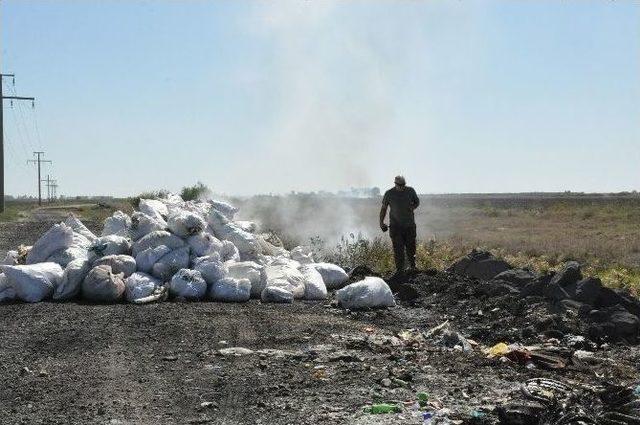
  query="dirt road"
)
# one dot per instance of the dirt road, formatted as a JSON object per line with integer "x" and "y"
{"x": 309, "y": 363}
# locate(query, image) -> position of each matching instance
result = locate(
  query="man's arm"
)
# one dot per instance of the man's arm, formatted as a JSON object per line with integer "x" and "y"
{"x": 383, "y": 214}
{"x": 416, "y": 200}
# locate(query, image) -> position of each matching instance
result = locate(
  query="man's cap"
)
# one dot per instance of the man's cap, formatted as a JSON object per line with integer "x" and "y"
{"x": 400, "y": 180}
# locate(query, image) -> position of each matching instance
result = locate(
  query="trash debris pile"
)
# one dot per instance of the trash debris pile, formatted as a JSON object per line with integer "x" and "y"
{"x": 171, "y": 248}
{"x": 550, "y": 401}
{"x": 496, "y": 302}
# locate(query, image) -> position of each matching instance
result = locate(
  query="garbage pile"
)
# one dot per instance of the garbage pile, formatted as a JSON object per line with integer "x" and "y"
{"x": 495, "y": 302}
{"x": 170, "y": 248}
{"x": 549, "y": 401}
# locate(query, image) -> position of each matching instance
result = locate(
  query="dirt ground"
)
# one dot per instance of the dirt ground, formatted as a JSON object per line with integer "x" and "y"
{"x": 309, "y": 362}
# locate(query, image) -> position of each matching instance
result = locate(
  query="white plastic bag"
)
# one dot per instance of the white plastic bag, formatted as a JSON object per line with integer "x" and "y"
{"x": 109, "y": 245}
{"x": 157, "y": 238}
{"x": 274, "y": 294}
{"x": 285, "y": 277}
{"x": 101, "y": 285}
{"x": 185, "y": 223}
{"x": 229, "y": 252}
{"x": 67, "y": 255}
{"x": 34, "y": 282}
{"x": 372, "y": 292}
{"x": 314, "y": 287}
{"x": 226, "y": 209}
{"x": 333, "y": 276}
{"x": 248, "y": 270}
{"x": 7, "y": 293}
{"x": 302, "y": 254}
{"x": 79, "y": 227}
{"x": 211, "y": 268}
{"x": 118, "y": 224}
{"x": 203, "y": 244}
{"x": 142, "y": 225}
{"x": 188, "y": 284}
{"x": 139, "y": 286}
{"x": 224, "y": 229}
{"x": 154, "y": 208}
{"x": 170, "y": 263}
{"x": 72, "y": 278}
{"x": 229, "y": 289}
{"x": 247, "y": 226}
{"x": 147, "y": 258}
{"x": 124, "y": 264}
{"x": 60, "y": 236}
{"x": 11, "y": 258}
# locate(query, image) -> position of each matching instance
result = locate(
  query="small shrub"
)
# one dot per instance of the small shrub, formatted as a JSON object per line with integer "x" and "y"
{"x": 197, "y": 191}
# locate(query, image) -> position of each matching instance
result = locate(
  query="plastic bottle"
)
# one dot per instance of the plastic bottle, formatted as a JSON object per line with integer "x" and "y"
{"x": 384, "y": 408}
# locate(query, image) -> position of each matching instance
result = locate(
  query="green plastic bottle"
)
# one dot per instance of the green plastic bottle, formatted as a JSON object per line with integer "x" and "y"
{"x": 384, "y": 408}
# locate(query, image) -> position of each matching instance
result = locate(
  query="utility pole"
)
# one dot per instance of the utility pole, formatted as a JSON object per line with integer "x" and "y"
{"x": 38, "y": 161}
{"x": 54, "y": 187}
{"x": 48, "y": 180}
{"x": 2, "y": 98}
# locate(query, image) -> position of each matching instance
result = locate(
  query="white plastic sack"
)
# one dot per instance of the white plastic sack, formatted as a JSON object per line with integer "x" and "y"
{"x": 248, "y": 270}
{"x": 274, "y": 294}
{"x": 302, "y": 254}
{"x": 372, "y": 292}
{"x": 211, "y": 268}
{"x": 203, "y": 244}
{"x": 72, "y": 278}
{"x": 79, "y": 227}
{"x": 224, "y": 208}
{"x": 229, "y": 252}
{"x": 185, "y": 223}
{"x": 11, "y": 258}
{"x": 7, "y": 293}
{"x": 285, "y": 277}
{"x": 67, "y": 255}
{"x": 142, "y": 225}
{"x": 34, "y": 282}
{"x": 139, "y": 286}
{"x": 229, "y": 289}
{"x": 224, "y": 229}
{"x": 247, "y": 226}
{"x": 109, "y": 245}
{"x": 157, "y": 238}
{"x": 124, "y": 264}
{"x": 188, "y": 284}
{"x": 118, "y": 224}
{"x": 60, "y": 236}
{"x": 101, "y": 285}
{"x": 333, "y": 276}
{"x": 147, "y": 258}
{"x": 314, "y": 287}
{"x": 170, "y": 263}
{"x": 154, "y": 208}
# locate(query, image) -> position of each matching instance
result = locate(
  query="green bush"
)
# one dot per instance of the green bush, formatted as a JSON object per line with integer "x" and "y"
{"x": 192, "y": 193}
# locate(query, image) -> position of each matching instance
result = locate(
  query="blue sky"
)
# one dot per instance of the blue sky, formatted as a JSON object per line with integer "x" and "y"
{"x": 255, "y": 97}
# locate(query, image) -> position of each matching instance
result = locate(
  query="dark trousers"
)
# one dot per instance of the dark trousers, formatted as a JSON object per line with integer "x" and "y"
{"x": 403, "y": 238}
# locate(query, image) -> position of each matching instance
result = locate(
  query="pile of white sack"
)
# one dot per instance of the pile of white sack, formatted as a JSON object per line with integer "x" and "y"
{"x": 170, "y": 248}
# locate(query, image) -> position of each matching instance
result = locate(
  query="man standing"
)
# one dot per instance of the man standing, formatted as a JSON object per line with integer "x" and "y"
{"x": 402, "y": 226}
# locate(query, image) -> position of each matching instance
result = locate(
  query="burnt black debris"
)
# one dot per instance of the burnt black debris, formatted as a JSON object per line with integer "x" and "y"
{"x": 495, "y": 302}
